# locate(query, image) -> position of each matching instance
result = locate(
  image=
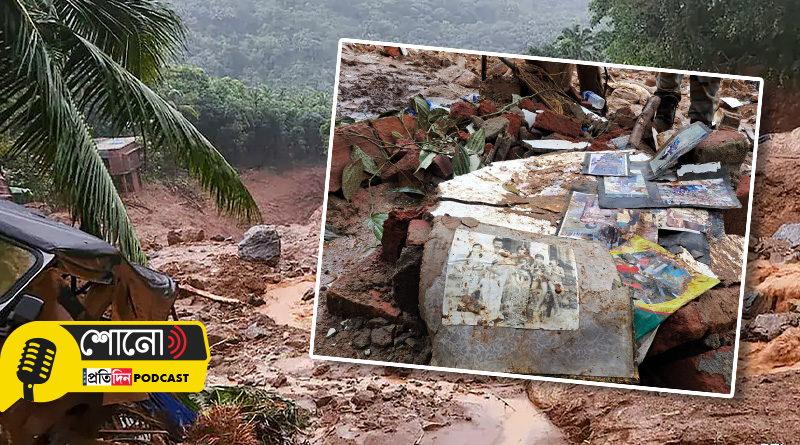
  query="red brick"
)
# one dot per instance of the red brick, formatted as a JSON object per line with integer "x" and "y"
{"x": 462, "y": 111}
{"x": 736, "y": 219}
{"x": 715, "y": 311}
{"x": 442, "y": 166}
{"x": 418, "y": 231}
{"x": 723, "y": 146}
{"x": 625, "y": 118}
{"x": 557, "y": 123}
{"x": 364, "y": 291}
{"x": 463, "y": 135}
{"x": 386, "y": 125}
{"x": 486, "y": 107}
{"x": 392, "y": 51}
{"x": 515, "y": 153}
{"x": 340, "y": 153}
{"x": 420, "y": 136}
{"x": 541, "y": 107}
{"x": 527, "y": 104}
{"x": 409, "y": 160}
{"x": 514, "y": 122}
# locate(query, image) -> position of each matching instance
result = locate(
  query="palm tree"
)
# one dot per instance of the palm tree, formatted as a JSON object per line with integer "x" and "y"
{"x": 63, "y": 62}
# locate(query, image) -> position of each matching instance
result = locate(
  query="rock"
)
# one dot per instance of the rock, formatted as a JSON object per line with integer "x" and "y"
{"x": 405, "y": 281}
{"x": 712, "y": 341}
{"x": 308, "y": 294}
{"x": 478, "y": 122}
{"x": 557, "y": 123}
{"x": 650, "y": 81}
{"x": 494, "y": 127}
{"x": 261, "y": 243}
{"x": 766, "y": 327}
{"x": 413, "y": 343}
{"x": 625, "y": 118}
{"x": 459, "y": 76}
{"x": 728, "y": 120}
{"x": 514, "y": 124}
{"x": 382, "y": 337}
{"x": 364, "y": 291}
{"x": 377, "y": 322}
{"x": 367, "y": 352}
{"x": 321, "y": 369}
{"x": 425, "y": 356}
{"x": 409, "y": 161}
{"x": 362, "y": 339}
{"x": 392, "y": 51}
{"x": 708, "y": 372}
{"x": 254, "y": 331}
{"x": 420, "y": 135}
{"x": 363, "y": 398}
{"x": 486, "y": 107}
{"x": 502, "y": 145}
{"x": 461, "y": 111}
{"x": 402, "y": 338}
{"x": 516, "y": 152}
{"x": 715, "y": 311}
{"x": 218, "y": 238}
{"x": 442, "y": 167}
{"x": 322, "y": 398}
{"x": 279, "y": 381}
{"x": 727, "y": 147}
{"x": 193, "y": 234}
{"x": 736, "y": 219}
{"x": 174, "y": 237}
{"x": 418, "y": 230}
{"x": 331, "y": 333}
{"x": 385, "y": 126}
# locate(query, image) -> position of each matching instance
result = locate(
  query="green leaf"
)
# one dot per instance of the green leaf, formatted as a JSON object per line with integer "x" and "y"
{"x": 370, "y": 166}
{"x": 397, "y": 113}
{"x": 375, "y": 223}
{"x": 511, "y": 189}
{"x": 345, "y": 120}
{"x": 425, "y": 158}
{"x": 461, "y": 161}
{"x": 351, "y": 178}
{"x": 420, "y": 107}
{"x": 397, "y": 135}
{"x": 408, "y": 189}
{"x": 476, "y": 142}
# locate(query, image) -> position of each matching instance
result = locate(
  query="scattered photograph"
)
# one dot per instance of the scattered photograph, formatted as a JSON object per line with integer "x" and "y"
{"x": 584, "y": 219}
{"x": 632, "y": 186}
{"x": 633, "y": 222}
{"x": 701, "y": 192}
{"x": 508, "y": 282}
{"x": 679, "y": 144}
{"x": 607, "y": 164}
{"x": 690, "y": 220}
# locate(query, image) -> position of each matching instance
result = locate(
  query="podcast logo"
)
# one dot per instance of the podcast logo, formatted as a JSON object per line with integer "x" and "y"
{"x": 50, "y": 359}
{"x": 35, "y": 365}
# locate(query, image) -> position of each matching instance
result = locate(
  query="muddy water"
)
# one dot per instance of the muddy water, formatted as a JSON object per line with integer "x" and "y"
{"x": 285, "y": 306}
{"x": 498, "y": 422}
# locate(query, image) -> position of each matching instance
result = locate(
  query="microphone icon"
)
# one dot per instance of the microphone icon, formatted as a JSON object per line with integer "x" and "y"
{"x": 35, "y": 365}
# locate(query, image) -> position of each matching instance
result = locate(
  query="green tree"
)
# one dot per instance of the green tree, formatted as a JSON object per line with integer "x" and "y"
{"x": 741, "y": 36}
{"x": 64, "y": 63}
{"x": 576, "y": 42}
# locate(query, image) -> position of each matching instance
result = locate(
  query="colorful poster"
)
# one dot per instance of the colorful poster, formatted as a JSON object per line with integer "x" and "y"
{"x": 690, "y": 220}
{"x": 662, "y": 282}
{"x": 510, "y": 282}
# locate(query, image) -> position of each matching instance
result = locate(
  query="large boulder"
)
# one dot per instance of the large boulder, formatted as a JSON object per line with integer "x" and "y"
{"x": 261, "y": 243}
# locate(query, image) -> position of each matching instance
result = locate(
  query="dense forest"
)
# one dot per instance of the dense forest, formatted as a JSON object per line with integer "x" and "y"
{"x": 292, "y": 43}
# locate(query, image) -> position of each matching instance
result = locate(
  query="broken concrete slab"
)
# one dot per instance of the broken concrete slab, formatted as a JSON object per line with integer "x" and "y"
{"x": 548, "y": 145}
{"x": 494, "y": 126}
{"x": 602, "y": 346}
{"x": 504, "y": 217}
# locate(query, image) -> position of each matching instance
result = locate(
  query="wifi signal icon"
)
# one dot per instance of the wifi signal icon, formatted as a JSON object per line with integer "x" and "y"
{"x": 177, "y": 342}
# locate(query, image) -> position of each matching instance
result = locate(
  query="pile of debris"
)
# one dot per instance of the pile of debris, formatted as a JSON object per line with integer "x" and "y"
{"x": 513, "y": 159}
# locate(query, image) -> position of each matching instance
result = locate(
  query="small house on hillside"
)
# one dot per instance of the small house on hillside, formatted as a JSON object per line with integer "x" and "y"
{"x": 5, "y": 192}
{"x": 123, "y": 158}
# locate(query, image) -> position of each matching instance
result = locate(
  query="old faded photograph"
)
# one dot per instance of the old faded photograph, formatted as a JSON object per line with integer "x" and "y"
{"x": 509, "y": 282}
{"x": 626, "y": 186}
{"x": 607, "y": 164}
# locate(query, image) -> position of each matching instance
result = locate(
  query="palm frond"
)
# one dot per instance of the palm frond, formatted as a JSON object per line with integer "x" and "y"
{"x": 50, "y": 126}
{"x": 103, "y": 88}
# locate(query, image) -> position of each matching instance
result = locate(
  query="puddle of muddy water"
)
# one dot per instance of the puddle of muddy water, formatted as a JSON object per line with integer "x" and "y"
{"x": 495, "y": 423}
{"x": 285, "y": 306}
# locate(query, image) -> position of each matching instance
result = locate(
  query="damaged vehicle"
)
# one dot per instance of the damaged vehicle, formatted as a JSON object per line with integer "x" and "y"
{"x": 52, "y": 271}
